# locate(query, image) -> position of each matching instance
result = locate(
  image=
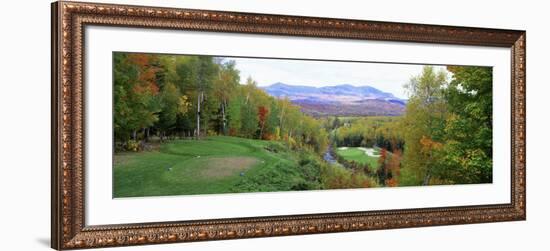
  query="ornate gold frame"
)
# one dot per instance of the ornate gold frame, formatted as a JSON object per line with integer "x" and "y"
{"x": 68, "y": 228}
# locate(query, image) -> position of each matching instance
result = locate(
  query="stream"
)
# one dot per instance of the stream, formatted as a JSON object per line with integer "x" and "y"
{"x": 328, "y": 156}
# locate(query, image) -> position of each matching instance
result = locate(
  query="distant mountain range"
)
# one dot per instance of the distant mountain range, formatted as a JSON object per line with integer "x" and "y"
{"x": 340, "y": 100}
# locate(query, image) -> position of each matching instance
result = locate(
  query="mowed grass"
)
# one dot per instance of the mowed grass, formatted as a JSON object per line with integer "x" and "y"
{"x": 185, "y": 167}
{"x": 359, "y": 156}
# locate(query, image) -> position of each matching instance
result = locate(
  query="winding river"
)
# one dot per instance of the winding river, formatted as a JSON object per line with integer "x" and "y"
{"x": 328, "y": 157}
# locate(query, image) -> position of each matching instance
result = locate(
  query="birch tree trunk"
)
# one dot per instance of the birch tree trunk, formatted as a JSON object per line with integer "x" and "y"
{"x": 199, "y": 97}
{"x": 223, "y": 116}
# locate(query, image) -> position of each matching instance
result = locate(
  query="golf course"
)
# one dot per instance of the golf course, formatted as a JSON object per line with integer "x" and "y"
{"x": 198, "y": 124}
{"x": 217, "y": 164}
{"x": 360, "y": 155}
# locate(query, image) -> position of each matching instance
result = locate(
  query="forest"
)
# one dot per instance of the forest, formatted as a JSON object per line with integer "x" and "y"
{"x": 193, "y": 125}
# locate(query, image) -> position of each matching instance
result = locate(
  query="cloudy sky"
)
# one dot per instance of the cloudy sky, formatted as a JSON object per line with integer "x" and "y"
{"x": 386, "y": 77}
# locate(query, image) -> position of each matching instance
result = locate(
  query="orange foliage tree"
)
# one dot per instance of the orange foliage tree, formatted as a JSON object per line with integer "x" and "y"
{"x": 262, "y": 117}
{"x": 393, "y": 166}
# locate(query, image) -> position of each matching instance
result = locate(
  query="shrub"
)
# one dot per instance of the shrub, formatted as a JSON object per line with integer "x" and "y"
{"x": 301, "y": 172}
{"x": 292, "y": 143}
{"x": 279, "y": 177}
{"x": 337, "y": 177}
{"x": 276, "y": 147}
{"x": 132, "y": 145}
{"x": 310, "y": 167}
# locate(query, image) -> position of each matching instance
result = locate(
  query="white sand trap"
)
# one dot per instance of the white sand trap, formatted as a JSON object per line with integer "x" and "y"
{"x": 369, "y": 151}
{"x": 342, "y": 148}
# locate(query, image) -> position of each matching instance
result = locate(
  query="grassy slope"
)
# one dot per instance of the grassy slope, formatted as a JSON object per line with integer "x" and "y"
{"x": 149, "y": 174}
{"x": 357, "y": 155}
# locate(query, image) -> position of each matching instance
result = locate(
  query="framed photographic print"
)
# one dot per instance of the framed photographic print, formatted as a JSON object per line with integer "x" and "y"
{"x": 175, "y": 125}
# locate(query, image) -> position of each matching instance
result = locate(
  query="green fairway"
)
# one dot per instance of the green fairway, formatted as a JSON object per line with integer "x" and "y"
{"x": 358, "y": 155}
{"x": 213, "y": 165}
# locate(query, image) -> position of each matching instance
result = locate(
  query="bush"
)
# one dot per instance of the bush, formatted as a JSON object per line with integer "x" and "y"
{"x": 276, "y": 147}
{"x": 292, "y": 143}
{"x": 337, "y": 177}
{"x": 301, "y": 174}
{"x": 132, "y": 145}
{"x": 279, "y": 177}
{"x": 310, "y": 167}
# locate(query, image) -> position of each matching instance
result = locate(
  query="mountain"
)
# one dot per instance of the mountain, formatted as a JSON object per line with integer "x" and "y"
{"x": 342, "y": 100}
{"x": 281, "y": 89}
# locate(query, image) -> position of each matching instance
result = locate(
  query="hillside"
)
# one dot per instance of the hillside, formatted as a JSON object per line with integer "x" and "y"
{"x": 214, "y": 165}
{"x": 343, "y": 100}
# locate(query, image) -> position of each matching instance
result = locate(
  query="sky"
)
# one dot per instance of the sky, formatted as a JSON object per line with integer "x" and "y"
{"x": 385, "y": 77}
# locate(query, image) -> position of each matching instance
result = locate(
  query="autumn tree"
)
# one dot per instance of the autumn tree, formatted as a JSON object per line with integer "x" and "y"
{"x": 198, "y": 95}
{"x": 394, "y": 167}
{"x": 262, "y": 118}
{"x": 135, "y": 94}
{"x": 382, "y": 170}
{"x": 423, "y": 125}
{"x": 448, "y": 128}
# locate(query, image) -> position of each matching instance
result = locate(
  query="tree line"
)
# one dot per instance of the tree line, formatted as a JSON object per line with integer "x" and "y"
{"x": 382, "y": 132}
{"x": 169, "y": 96}
{"x": 447, "y": 127}
{"x": 445, "y": 136}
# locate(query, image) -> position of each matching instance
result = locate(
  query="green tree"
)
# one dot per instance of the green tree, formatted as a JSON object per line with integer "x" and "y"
{"x": 197, "y": 74}
{"x": 169, "y": 103}
{"x": 224, "y": 88}
{"x": 272, "y": 124}
{"x": 423, "y": 126}
{"x": 249, "y": 118}
{"x": 468, "y": 147}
